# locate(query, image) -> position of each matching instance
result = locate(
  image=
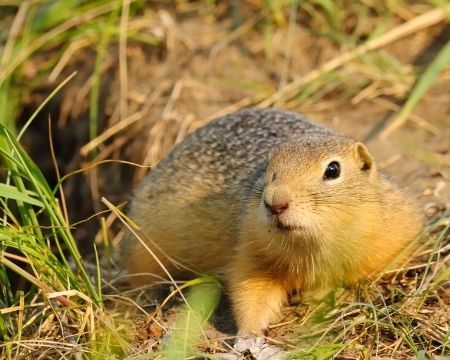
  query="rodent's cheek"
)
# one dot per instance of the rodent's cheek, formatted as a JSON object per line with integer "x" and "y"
{"x": 301, "y": 217}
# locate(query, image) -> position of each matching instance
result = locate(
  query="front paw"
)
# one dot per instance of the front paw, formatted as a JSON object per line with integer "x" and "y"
{"x": 257, "y": 303}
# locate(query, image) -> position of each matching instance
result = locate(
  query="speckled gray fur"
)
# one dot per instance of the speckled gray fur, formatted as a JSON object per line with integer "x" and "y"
{"x": 230, "y": 149}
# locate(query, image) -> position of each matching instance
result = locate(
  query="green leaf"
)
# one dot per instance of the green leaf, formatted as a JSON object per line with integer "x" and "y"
{"x": 11, "y": 192}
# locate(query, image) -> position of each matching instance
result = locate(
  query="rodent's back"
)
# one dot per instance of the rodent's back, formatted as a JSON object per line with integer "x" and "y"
{"x": 230, "y": 149}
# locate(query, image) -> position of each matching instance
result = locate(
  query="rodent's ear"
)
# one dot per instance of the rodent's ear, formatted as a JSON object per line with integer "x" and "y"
{"x": 365, "y": 160}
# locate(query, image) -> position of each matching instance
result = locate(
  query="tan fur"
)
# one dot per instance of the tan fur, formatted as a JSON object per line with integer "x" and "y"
{"x": 204, "y": 210}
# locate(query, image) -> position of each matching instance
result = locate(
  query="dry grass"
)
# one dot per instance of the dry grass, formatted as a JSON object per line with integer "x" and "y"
{"x": 149, "y": 73}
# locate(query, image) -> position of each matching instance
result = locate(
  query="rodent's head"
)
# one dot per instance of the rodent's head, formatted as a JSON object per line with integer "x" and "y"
{"x": 314, "y": 189}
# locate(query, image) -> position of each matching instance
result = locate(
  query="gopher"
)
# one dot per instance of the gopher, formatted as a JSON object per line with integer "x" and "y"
{"x": 275, "y": 204}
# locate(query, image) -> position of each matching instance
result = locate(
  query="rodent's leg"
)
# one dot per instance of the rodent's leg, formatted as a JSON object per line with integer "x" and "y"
{"x": 256, "y": 296}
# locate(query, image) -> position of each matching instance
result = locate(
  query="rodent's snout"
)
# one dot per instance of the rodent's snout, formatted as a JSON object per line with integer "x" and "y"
{"x": 276, "y": 209}
{"x": 277, "y": 200}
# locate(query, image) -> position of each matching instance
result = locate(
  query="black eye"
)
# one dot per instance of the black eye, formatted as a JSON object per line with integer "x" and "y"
{"x": 333, "y": 171}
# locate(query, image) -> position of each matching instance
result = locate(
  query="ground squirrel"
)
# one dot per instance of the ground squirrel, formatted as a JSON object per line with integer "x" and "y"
{"x": 273, "y": 202}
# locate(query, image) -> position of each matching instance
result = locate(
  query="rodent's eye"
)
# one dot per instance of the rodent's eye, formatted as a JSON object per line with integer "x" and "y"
{"x": 333, "y": 171}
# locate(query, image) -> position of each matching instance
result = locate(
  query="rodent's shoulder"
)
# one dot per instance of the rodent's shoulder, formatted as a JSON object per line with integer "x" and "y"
{"x": 236, "y": 145}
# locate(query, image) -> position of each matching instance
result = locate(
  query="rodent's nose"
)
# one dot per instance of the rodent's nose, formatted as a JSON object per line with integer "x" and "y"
{"x": 276, "y": 209}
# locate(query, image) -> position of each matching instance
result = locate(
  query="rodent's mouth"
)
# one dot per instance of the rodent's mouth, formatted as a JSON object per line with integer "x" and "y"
{"x": 284, "y": 227}
{"x": 281, "y": 222}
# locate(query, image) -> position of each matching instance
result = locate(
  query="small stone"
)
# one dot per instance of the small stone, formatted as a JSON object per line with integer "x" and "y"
{"x": 259, "y": 348}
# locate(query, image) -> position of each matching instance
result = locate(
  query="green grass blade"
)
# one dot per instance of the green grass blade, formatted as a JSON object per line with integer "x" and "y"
{"x": 11, "y": 192}
{"x": 43, "y": 103}
{"x": 441, "y": 61}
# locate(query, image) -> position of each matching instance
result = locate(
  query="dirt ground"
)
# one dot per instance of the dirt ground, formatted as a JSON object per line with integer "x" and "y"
{"x": 202, "y": 68}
